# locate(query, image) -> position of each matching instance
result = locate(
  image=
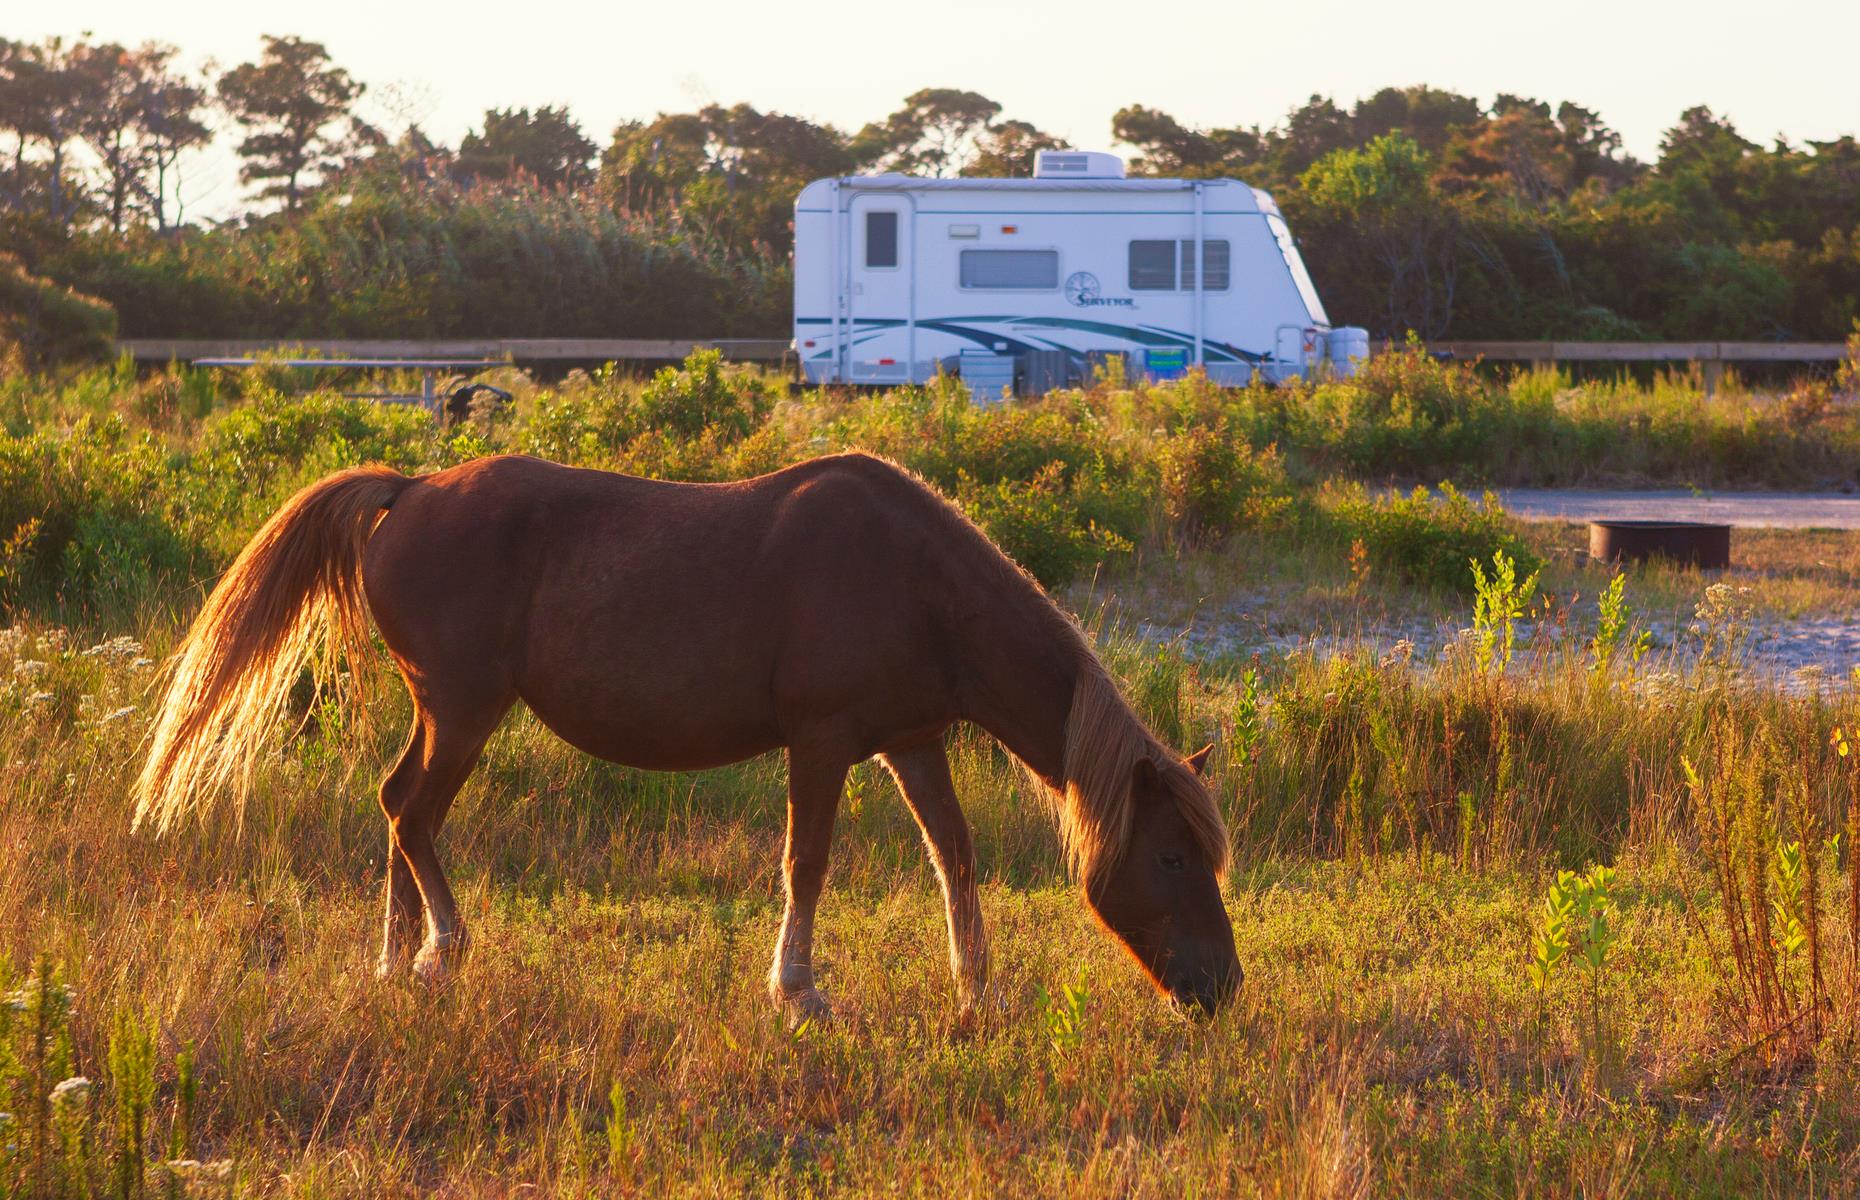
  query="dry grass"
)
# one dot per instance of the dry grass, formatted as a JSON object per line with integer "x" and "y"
{"x": 1385, "y": 1044}
{"x": 1396, "y": 828}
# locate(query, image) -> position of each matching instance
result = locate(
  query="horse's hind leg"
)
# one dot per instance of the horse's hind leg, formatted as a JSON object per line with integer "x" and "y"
{"x": 401, "y": 927}
{"x": 814, "y": 785}
{"x": 415, "y": 796}
{"x": 923, "y": 775}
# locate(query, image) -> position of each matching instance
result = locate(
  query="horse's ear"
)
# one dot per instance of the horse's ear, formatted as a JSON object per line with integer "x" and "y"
{"x": 1199, "y": 759}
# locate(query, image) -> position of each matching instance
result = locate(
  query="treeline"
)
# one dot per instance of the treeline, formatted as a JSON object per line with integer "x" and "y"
{"x": 1418, "y": 209}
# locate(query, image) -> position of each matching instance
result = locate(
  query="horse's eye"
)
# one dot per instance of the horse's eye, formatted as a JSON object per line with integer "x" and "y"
{"x": 1170, "y": 861}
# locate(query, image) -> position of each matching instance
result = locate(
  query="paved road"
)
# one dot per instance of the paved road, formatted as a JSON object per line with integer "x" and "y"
{"x": 1785, "y": 510}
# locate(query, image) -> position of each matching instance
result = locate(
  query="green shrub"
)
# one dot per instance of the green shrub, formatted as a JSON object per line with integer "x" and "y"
{"x": 685, "y": 401}
{"x": 88, "y": 516}
{"x": 1213, "y": 484}
{"x": 1041, "y": 524}
{"x": 258, "y": 451}
{"x": 1429, "y": 538}
{"x": 48, "y": 322}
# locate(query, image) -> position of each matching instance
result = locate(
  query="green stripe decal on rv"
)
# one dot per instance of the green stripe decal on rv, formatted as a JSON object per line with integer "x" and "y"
{"x": 961, "y": 327}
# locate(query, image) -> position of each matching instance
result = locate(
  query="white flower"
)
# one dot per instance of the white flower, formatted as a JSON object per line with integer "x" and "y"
{"x": 190, "y": 1168}
{"x": 72, "y": 1091}
{"x": 29, "y": 668}
{"x": 118, "y": 715}
{"x": 116, "y": 650}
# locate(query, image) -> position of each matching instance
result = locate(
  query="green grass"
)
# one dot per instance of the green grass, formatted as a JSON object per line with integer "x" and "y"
{"x": 1396, "y": 828}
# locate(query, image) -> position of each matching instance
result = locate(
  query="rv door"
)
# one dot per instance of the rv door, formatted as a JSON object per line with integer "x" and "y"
{"x": 881, "y": 330}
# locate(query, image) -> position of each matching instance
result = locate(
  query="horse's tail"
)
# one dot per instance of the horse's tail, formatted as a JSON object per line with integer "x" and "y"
{"x": 294, "y": 590}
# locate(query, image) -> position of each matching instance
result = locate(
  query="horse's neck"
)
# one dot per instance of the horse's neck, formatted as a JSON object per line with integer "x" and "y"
{"x": 1023, "y": 670}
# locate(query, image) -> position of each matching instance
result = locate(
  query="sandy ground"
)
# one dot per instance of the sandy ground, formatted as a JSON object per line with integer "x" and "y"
{"x": 1797, "y": 655}
{"x": 1785, "y": 510}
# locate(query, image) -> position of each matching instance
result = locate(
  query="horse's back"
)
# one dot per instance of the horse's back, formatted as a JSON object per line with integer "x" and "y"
{"x": 665, "y": 624}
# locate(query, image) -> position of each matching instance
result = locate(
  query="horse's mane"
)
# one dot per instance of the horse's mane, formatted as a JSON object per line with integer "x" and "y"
{"x": 1104, "y": 737}
{"x": 1105, "y": 741}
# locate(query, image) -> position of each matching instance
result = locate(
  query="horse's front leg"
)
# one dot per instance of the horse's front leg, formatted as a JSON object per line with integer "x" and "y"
{"x": 923, "y": 775}
{"x": 815, "y": 782}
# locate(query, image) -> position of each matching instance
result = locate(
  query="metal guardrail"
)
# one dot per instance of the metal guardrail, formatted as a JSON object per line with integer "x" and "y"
{"x": 520, "y": 350}
{"x": 1698, "y": 352}
{"x": 1710, "y": 356}
{"x": 772, "y": 349}
{"x": 429, "y": 369}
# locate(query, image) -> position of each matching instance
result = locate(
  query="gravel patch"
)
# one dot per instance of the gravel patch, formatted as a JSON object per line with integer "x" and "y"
{"x": 1797, "y": 655}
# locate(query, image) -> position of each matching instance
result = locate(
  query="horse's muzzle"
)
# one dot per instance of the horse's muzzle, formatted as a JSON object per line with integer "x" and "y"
{"x": 1204, "y": 993}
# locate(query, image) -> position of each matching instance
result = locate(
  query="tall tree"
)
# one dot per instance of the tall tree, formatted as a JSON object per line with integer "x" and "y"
{"x": 545, "y": 146}
{"x": 42, "y": 97}
{"x": 137, "y": 117}
{"x": 935, "y": 133}
{"x": 169, "y": 122}
{"x": 648, "y": 165}
{"x": 289, "y": 101}
{"x": 1006, "y": 149}
{"x": 1380, "y": 203}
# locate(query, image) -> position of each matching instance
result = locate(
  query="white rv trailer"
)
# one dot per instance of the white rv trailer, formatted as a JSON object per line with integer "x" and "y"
{"x": 896, "y": 277}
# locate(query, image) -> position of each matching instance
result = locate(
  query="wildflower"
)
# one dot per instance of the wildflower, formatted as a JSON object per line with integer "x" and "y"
{"x": 73, "y": 1091}
{"x": 29, "y": 668}
{"x": 1400, "y": 653}
{"x": 38, "y": 698}
{"x": 115, "y": 651}
{"x": 142, "y": 662}
{"x": 117, "y": 715}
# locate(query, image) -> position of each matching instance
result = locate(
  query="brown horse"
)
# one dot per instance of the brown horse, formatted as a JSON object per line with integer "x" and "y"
{"x": 839, "y": 609}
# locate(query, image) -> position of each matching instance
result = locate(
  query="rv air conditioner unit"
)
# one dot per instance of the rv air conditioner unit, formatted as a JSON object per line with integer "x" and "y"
{"x": 1076, "y": 164}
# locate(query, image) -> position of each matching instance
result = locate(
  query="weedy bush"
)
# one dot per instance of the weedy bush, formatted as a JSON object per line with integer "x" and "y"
{"x": 1747, "y": 797}
{"x": 1042, "y": 522}
{"x": 1214, "y": 483}
{"x": 685, "y": 401}
{"x": 55, "y": 1137}
{"x": 1498, "y": 603}
{"x": 87, "y": 516}
{"x": 1409, "y": 415}
{"x": 43, "y": 321}
{"x": 1427, "y": 538}
{"x": 1574, "y": 927}
{"x": 1064, "y": 1014}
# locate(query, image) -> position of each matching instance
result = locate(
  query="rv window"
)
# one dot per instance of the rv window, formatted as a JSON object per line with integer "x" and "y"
{"x": 1010, "y": 269}
{"x": 1152, "y": 266}
{"x": 1214, "y": 255}
{"x": 881, "y": 238}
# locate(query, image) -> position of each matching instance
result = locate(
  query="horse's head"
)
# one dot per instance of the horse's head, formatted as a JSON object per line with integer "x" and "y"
{"x": 1162, "y": 896}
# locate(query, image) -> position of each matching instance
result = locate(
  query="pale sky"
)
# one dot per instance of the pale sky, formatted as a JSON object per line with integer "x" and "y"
{"x": 1787, "y": 67}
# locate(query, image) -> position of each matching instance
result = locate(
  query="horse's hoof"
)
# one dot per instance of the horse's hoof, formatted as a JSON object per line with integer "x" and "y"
{"x": 807, "y": 1006}
{"x": 440, "y": 956}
